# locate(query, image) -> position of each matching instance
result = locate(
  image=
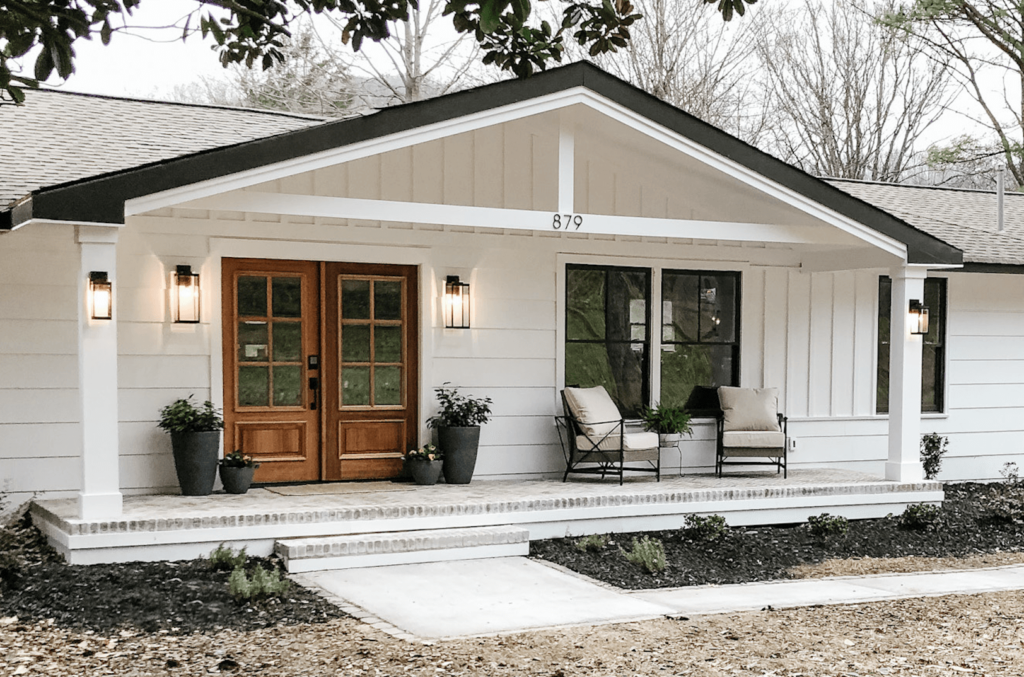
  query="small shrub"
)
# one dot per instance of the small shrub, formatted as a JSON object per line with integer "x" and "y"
{"x": 647, "y": 552}
{"x": 225, "y": 559}
{"x": 825, "y": 525}
{"x": 592, "y": 543}
{"x": 262, "y": 584}
{"x": 933, "y": 447}
{"x": 704, "y": 529}
{"x": 920, "y": 517}
{"x": 1004, "y": 501}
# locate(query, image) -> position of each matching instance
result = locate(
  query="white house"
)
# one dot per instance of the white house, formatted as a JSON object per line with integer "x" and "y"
{"x": 711, "y": 263}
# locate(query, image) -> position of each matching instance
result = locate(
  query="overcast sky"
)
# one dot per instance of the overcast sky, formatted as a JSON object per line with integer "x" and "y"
{"x": 144, "y": 63}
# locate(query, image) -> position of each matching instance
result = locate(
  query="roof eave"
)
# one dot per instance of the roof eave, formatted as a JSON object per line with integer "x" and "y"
{"x": 77, "y": 201}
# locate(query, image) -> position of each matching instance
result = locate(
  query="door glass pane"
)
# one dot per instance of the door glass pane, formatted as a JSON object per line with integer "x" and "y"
{"x": 387, "y": 300}
{"x": 287, "y": 385}
{"x": 387, "y": 382}
{"x": 253, "y": 386}
{"x": 355, "y": 299}
{"x": 252, "y": 296}
{"x": 584, "y": 313}
{"x": 355, "y": 343}
{"x": 679, "y": 307}
{"x": 355, "y": 386}
{"x": 387, "y": 344}
{"x": 252, "y": 341}
{"x": 287, "y": 296}
{"x": 287, "y": 341}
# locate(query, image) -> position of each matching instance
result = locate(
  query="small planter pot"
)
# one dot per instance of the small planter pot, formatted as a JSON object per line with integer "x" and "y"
{"x": 424, "y": 472}
{"x": 196, "y": 456}
{"x": 236, "y": 480}
{"x": 670, "y": 439}
{"x": 459, "y": 446}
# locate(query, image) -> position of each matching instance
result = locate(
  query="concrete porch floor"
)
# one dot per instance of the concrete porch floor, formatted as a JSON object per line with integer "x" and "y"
{"x": 155, "y": 527}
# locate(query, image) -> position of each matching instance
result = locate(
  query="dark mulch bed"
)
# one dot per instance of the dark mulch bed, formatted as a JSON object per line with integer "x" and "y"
{"x": 766, "y": 553}
{"x": 179, "y": 597}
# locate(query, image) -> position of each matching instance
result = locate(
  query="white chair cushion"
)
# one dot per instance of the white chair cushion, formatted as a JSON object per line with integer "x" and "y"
{"x": 594, "y": 409}
{"x": 630, "y": 442}
{"x": 750, "y": 409}
{"x": 754, "y": 440}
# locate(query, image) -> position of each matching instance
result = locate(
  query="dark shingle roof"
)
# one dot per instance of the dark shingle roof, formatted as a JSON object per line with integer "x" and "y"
{"x": 966, "y": 219}
{"x": 58, "y": 137}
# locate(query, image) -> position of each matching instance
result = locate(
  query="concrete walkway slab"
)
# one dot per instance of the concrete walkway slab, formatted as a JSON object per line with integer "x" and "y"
{"x": 479, "y": 597}
{"x": 710, "y": 599}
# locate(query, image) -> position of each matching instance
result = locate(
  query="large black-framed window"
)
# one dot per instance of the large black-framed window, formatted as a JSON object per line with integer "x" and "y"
{"x": 700, "y": 337}
{"x": 607, "y": 336}
{"x": 933, "y": 350}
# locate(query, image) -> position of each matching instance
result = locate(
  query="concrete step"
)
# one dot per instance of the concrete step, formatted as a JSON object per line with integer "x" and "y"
{"x": 401, "y": 547}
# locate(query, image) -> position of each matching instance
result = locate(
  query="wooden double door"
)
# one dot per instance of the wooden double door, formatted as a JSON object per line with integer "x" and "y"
{"x": 320, "y": 367}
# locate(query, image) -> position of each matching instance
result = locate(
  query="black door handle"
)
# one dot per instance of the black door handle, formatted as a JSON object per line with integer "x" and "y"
{"x": 314, "y": 385}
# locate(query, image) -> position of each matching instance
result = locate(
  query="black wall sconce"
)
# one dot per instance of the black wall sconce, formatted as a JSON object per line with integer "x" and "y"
{"x": 456, "y": 303}
{"x": 101, "y": 296}
{"x": 918, "y": 317}
{"x": 186, "y": 295}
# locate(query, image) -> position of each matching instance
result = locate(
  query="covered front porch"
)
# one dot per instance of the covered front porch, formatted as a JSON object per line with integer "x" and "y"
{"x": 385, "y": 516}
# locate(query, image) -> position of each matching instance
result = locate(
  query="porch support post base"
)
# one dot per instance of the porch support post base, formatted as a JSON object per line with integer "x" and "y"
{"x": 904, "y": 472}
{"x": 905, "y": 378}
{"x": 99, "y": 506}
{"x": 100, "y": 494}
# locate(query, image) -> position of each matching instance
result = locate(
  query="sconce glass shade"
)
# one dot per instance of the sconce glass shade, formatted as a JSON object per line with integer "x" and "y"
{"x": 186, "y": 295}
{"x": 456, "y": 303}
{"x": 101, "y": 296}
{"x": 918, "y": 318}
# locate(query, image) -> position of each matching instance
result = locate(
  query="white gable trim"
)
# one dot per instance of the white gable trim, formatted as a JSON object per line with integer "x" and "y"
{"x": 544, "y": 104}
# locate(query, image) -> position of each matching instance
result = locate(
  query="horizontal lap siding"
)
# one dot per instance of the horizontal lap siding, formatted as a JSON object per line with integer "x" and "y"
{"x": 40, "y": 441}
{"x": 985, "y": 393}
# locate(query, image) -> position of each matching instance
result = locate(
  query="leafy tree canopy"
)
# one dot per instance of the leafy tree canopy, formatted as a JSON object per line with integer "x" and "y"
{"x": 253, "y": 31}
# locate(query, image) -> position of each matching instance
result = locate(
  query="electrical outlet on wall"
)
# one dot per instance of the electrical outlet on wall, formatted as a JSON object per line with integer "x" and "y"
{"x": 792, "y": 444}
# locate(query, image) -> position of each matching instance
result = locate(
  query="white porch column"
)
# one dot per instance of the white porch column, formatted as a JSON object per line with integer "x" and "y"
{"x": 100, "y": 496}
{"x": 904, "y": 463}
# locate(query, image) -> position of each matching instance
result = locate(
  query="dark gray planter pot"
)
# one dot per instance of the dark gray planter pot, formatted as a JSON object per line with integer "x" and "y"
{"x": 459, "y": 446}
{"x": 236, "y": 480}
{"x": 196, "y": 456}
{"x": 424, "y": 472}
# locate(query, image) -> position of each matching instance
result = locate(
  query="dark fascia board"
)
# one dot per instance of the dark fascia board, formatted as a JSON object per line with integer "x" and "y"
{"x": 996, "y": 268}
{"x": 102, "y": 198}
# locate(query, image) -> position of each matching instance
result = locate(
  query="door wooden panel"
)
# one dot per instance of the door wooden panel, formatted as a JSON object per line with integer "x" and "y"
{"x": 271, "y": 329}
{"x": 371, "y": 369}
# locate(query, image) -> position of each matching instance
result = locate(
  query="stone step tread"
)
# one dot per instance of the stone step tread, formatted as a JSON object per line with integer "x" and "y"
{"x": 399, "y": 541}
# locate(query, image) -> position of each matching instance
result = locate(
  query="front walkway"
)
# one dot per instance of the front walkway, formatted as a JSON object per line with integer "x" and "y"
{"x": 179, "y": 527}
{"x": 445, "y": 600}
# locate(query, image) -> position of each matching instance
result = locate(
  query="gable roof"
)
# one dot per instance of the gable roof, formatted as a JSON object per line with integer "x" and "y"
{"x": 58, "y": 137}
{"x": 101, "y": 198}
{"x": 966, "y": 219}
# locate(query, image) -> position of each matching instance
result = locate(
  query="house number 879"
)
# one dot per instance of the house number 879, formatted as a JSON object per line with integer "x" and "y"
{"x": 567, "y": 221}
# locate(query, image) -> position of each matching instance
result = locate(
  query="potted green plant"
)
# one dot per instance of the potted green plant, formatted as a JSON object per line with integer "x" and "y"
{"x": 195, "y": 440}
{"x": 425, "y": 464}
{"x": 669, "y": 422}
{"x": 236, "y": 471}
{"x": 458, "y": 431}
